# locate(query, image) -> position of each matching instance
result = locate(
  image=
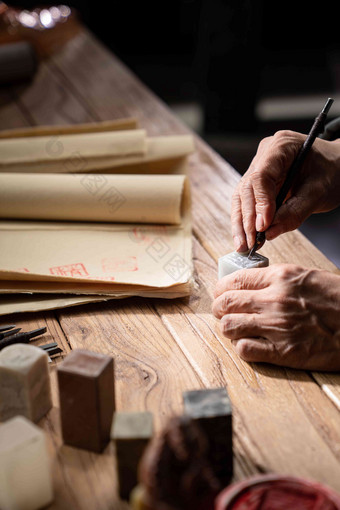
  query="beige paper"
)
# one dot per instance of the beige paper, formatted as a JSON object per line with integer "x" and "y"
{"x": 64, "y": 129}
{"x": 104, "y": 290}
{"x": 112, "y": 259}
{"x": 55, "y": 264}
{"x": 150, "y": 256}
{"x": 24, "y": 154}
{"x": 25, "y": 303}
{"x": 159, "y": 155}
{"x": 88, "y": 197}
{"x": 19, "y": 303}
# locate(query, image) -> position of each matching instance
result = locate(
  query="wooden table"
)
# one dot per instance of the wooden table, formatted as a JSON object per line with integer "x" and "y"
{"x": 285, "y": 421}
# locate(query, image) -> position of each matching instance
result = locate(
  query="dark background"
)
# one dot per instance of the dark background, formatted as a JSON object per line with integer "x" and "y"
{"x": 223, "y": 54}
{"x": 223, "y": 59}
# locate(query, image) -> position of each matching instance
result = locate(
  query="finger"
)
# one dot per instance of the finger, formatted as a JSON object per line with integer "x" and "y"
{"x": 244, "y": 279}
{"x": 244, "y": 211}
{"x": 248, "y": 212}
{"x": 239, "y": 235}
{"x": 264, "y": 187}
{"x": 242, "y": 325}
{"x": 255, "y": 350}
{"x": 275, "y": 155}
{"x": 238, "y": 301}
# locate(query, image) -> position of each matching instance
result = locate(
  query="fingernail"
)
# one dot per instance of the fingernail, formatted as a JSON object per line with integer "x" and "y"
{"x": 259, "y": 222}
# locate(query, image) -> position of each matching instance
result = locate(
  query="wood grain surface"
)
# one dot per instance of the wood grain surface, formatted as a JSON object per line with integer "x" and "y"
{"x": 285, "y": 421}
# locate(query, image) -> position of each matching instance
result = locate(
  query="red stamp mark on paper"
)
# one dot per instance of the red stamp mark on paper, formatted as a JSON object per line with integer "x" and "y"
{"x": 73, "y": 270}
{"x": 22, "y": 270}
{"x": 145, "y": 235}
{"x": 114, "y": 265}
{"x": 138, "y": 235}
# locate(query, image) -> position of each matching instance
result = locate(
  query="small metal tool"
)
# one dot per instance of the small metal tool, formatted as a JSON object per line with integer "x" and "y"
{"x": 9, "y": 333}
{"x": 7, "y": 327}
{"x": 259, "y": 242}
{"x": 21, "y": 338}
{"x": 51, "y": 349}
{"x": 54, "y": 351}
{"x": 46, "y": 347}
{"x": 316, "y": 129}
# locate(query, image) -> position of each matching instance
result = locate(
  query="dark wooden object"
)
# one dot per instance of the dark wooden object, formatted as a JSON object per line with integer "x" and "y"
{"x": 211, "y": 410}
{"x": 131, "y": 433}
{"x": 86, "y": 393}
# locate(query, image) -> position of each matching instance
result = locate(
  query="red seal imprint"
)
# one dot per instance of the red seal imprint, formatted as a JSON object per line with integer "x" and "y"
{"x": 115, "y": 265}
{"x": 139, "y": 236}
{"x": 70, "y": 270}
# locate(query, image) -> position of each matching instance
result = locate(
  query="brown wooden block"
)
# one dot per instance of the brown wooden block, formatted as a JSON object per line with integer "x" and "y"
{"x": 211, "y": 409}
{"x": 131, "y": 433}
{"x": 87, "y": 403}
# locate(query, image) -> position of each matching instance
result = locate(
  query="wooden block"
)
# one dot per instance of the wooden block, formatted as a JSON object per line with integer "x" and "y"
{"x": 24, "y": 382}
{"x": 211, "y": 409}
{"x": 131, "y": 433}
{"x": 25, "y": 471}
{"x": 234, "y": 261}
{"x": 87, "y": 403}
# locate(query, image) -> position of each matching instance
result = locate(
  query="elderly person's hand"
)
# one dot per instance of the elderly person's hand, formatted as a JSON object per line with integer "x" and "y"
{"x": 282, "y": 314}
{"x": 316, "y": 189}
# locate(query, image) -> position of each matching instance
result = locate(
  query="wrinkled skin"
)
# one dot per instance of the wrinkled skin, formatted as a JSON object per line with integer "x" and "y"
{"x": 283, "y": 314}
{"x": 317, "y": 188}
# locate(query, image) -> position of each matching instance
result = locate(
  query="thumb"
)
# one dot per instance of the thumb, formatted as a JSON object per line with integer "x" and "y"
{"x": 289, "y": 217}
